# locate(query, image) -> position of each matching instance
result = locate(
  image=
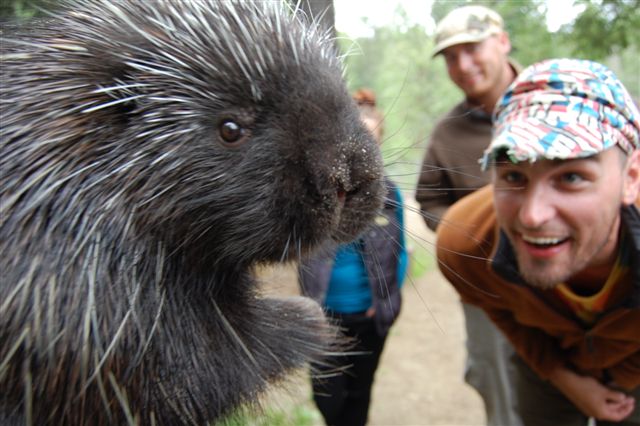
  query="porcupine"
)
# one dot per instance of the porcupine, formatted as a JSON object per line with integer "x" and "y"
{"x": 152, "y": 154}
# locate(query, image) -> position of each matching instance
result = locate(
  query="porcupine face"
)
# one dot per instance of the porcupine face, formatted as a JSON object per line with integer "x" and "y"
{"x": 248, "y": 146}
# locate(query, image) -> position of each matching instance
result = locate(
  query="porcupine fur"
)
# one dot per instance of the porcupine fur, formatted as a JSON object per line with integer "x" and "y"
{"x": 152, "y": 154}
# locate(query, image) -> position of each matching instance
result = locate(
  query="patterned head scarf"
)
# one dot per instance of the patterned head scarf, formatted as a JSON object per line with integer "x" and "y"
{"x": 563, "y": 109}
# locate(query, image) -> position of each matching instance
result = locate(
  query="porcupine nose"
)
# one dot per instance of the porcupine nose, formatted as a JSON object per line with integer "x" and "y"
{"x": 359, "y": 171}
{"x": 340, "y": 176}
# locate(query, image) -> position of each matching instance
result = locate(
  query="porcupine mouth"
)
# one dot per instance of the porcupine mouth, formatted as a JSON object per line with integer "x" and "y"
{"x": 342, "y": 198}
{"x": 354, "y": 212}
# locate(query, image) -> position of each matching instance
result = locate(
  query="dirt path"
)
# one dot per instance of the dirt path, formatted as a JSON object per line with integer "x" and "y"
{"x": 419, "y": 381}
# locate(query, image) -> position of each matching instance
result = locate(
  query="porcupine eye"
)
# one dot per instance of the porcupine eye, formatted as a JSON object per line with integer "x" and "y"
{"x": 232, "y": 133}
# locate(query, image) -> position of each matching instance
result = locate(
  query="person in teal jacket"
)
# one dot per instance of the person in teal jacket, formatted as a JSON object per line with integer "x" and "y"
{"x": 359, "y": 286}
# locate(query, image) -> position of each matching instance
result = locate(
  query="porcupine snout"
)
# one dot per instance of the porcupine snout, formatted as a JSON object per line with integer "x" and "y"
{"x": 357, "y": 169}
{"x": 356, "y": 177}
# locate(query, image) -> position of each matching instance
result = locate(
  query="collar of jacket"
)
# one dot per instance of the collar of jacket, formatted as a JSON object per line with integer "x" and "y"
{"x": 504, "y": 264}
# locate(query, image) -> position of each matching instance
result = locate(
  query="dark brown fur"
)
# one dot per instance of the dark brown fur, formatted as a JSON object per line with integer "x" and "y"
{"x": 129, "y": 224}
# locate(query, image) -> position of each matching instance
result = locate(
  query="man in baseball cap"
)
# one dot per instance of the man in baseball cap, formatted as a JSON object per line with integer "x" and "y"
{"x": 551, "y": 250}
{"x": 475, "y": 49}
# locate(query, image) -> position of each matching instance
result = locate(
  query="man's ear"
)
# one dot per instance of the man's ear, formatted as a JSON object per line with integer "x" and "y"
{"x": 505, "y": 42}
{"x": 631, "y": 189}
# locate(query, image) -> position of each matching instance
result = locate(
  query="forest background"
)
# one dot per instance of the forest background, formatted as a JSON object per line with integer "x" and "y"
{"x": 413, "y": 88}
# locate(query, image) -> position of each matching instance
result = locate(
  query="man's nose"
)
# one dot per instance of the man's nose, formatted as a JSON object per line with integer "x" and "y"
{"x": 464, "y": 61}
{"x": 537, "y": 207}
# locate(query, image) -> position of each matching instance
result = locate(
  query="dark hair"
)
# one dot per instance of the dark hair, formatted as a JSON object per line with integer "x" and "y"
{"x": 366, "y": 100}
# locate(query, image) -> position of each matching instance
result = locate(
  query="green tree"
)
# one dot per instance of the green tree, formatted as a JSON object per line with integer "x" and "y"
{"x": 21, "y": 10}
{"x": 605, "y": 28}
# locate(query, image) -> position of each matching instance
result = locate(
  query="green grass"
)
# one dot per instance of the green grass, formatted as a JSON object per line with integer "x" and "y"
{"x": 421, "y": 260}
{"x": 297, "y": 416}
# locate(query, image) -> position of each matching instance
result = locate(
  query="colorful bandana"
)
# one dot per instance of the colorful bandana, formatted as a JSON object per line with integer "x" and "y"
{"x": 563, "y": 109}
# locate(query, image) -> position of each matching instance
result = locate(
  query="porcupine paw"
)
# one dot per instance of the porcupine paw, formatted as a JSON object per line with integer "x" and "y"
{"x": 306, "y": 335}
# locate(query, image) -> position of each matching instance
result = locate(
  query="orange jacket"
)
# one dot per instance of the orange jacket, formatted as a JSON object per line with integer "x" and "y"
{"x": 543, "y": 331}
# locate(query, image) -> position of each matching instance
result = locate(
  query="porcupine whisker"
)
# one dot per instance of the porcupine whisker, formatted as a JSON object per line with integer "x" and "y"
{"x": 37, "y": 317}
{"x": 122, "y": 399}
{"x": 154, "y": 69}
{"x": 33, "y": 182}
{"x": 442, "y": 264}
{"x": 87, "y": 237}
{"x": 103, "y": 396}
{"x": 285, "y": 251}
{"x": 52, "y": 89}
{"x": 418, "y": 238}
{"x": 20, "y": 289}
{"x": 90, "y": 308}
{"x": 50, "y": 188}
{"x": 240, "y": 61}
{"x": 424, "y": 214}
{"x": 299, "y": 247}
{"x": 170, "y": 400}
{"x": 121, "y": 87}
{"x": 110, "y": 104}
{"x": 117, "y": 334}
{"x": 38, "y": 46}
{"x": 27, "y": 394}
{"x": 50, "y": 315}
{"x": 12, "y": 350}
{"x": 266, "y": 350}
{"x": 235, "y": 335}
{"x": 156, "y": 320}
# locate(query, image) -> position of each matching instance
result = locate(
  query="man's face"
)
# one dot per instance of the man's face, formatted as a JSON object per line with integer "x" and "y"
{"x": 562, "y": 217}
{"x": 477, "y": 68}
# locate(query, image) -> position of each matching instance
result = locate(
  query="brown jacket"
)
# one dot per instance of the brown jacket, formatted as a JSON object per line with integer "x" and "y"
{"x": 451, "y": 168}
{"x": 476, "y": 259}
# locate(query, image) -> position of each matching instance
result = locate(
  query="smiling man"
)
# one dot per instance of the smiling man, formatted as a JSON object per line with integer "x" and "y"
{"x": 475, "y": 48}
{"x": 551, "y": 249}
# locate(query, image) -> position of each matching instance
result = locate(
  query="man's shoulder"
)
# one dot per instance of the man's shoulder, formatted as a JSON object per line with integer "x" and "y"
{"x": 457, "y": 113}
{"x": 462, "y": 120}
{"x": 469, "y": 226}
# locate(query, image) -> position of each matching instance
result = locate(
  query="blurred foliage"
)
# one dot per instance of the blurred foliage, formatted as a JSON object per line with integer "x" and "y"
{"x": 21, "y": 10}
{"x": 605, "y": 28}
{"x": 422, "y": 258}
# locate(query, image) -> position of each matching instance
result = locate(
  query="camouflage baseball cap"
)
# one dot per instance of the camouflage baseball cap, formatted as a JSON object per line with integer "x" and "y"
{"x": 467, "y": 24}
{"x": 561, "y": 109}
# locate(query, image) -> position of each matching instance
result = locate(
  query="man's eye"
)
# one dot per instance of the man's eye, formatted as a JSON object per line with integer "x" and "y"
{"x": 572, "y": 178}
{"x": 509, "y": 179}
{"x": 513, "y": 177}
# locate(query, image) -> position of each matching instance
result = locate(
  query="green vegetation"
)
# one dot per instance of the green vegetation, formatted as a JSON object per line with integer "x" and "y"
{"x": 422, "y": 258}
{"x": 298, "y": 416}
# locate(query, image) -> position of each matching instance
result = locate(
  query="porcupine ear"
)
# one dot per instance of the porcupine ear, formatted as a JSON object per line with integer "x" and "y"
{"x": 130, "y": 75}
